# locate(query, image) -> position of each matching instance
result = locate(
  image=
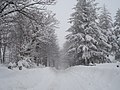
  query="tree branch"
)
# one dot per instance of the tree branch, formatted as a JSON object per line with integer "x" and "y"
{"x": 20, "y": 9}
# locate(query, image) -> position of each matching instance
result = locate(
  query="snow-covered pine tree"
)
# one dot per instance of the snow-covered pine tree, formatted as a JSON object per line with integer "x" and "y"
{"x": 106, "y": 25}
{"x": 85, "y": 36}
{"x": 117, "y": 34}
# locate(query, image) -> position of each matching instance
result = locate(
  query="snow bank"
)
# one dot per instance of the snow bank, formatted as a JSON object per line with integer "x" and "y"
{"x": 99, "y": 77}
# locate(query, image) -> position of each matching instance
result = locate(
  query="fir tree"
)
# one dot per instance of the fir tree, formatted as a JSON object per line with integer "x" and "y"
{"x": 117, "y": 34}
{"x": 106, "y": 25}
{"x": 85, "y": 35}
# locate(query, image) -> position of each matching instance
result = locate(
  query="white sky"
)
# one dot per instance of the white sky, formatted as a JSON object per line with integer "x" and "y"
{"x": 63, "y": 10}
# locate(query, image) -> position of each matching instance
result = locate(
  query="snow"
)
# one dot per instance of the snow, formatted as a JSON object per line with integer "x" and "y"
{"x": 88, "y": 38}
{"x": 99, "y": 77}
{"x": 85, "y": 48}
{"x": 10, "y": 64}
{"x": 20, "y": 63}
{"x": 25, "y": 63}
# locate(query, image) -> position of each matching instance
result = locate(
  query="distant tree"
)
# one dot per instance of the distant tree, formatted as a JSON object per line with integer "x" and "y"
{"x": 68, "y": 58}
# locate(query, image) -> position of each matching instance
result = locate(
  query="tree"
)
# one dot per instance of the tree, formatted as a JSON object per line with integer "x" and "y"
{"x": 85, "y": 36}
{"x": 117, "y": 34}
{"x": 5, "y": 29}
{"x": 35, "y": 40}
{"x": 106, "y": 25}
{"x": 67, "y": 58}
{"x": 22, "y": 6}
{"x": 32, "y": 30}
{"x": 9, "y": 9}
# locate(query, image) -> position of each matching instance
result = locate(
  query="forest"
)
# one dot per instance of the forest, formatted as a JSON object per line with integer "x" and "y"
{"x": 27, "y": 34}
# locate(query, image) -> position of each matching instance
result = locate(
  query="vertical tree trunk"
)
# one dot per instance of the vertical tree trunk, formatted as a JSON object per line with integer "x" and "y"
{"x": 48, "y": 62}
{"x": 37, "y": 61}
{"x": 4, "y": 52}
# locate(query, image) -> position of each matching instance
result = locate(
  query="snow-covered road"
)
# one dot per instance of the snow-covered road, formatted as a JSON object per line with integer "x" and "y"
{"x": 100, "y": 77}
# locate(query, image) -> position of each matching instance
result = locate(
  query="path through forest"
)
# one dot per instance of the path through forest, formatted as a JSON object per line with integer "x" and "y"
{"x": 100, "y": 77}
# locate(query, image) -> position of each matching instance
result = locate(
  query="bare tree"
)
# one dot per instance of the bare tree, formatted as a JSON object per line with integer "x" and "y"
{"x": 30, "y": 13}
{"x": 11, "y": 6}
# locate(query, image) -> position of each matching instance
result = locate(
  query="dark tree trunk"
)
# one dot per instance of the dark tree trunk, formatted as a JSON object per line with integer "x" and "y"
{"x": 4, "y": 51}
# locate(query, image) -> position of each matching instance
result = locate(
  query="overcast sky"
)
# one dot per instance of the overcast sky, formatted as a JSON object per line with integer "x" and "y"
{"x": 63, "y": 10}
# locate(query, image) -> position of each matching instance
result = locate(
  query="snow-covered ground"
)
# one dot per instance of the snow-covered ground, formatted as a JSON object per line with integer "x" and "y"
{"x": 100, "y": 77}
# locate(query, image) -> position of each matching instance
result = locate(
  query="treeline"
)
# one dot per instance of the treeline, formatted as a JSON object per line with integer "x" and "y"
{"x": 93, "y": 36}
{"x": 27, "y": 32}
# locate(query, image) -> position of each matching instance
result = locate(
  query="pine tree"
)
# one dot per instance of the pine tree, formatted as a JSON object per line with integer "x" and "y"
{"x": 117, "y": 34}
{"x": 105, "y": 21}
{"x": 106, "y": 25}
{"x": 85, "y": 35}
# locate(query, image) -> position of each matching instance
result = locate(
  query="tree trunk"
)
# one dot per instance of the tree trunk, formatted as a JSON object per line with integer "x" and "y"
{"x": 48, "y": 62}
{"x": 37, "y": 61}
{"x": 4, "y": 51}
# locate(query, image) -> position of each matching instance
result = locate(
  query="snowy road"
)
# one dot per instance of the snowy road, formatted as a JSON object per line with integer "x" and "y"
{"x": 100, "y": 77}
